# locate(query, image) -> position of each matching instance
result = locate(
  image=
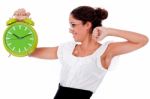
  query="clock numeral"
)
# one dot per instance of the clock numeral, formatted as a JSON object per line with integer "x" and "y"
{"x": 7, "y": 38}
{"x": 13, "y": 48}
{"x": 25, "y": 28}
{"x": 31, "y": 38}
{"x": 25, "y": 48}
{"x": 30, "y": 33}
{"x": 9, "y": 32}
{"x": 19, "y": 27}
{"x": 14, "y": 28}
{"x": 19, "y": 50}
{"x": 29, "y": 44}
{"x": 9, "y": 44}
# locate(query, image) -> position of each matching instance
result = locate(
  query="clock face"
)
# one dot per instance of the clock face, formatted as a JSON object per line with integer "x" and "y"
{"x": 20, "y": 39}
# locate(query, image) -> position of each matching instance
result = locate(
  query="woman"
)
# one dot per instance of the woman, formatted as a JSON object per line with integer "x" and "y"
{"x": 84, "y": 65}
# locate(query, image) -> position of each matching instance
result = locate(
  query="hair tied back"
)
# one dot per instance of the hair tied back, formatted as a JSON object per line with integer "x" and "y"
{"x": 101, "y": 13}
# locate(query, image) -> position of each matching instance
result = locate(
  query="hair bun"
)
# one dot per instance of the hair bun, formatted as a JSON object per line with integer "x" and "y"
{"x": 101, "y": 13}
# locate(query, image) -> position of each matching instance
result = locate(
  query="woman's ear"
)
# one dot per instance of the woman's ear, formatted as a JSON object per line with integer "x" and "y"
{"x": 88, "y": 25}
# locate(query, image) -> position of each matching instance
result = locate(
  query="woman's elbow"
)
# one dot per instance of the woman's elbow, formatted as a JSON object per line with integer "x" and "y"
{"x": 145, "y": 40}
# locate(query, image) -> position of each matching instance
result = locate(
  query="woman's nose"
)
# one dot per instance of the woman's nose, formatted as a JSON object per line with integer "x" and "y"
{"x": 70, "y": 30}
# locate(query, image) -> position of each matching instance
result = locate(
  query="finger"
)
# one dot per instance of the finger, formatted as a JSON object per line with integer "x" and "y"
{"x": 22, "y": 10}
{"x": 28, "y": 14}
{"x": 95, "y": 32}
{"x": 15, "y": 13}
{"x": 99, "y": 32}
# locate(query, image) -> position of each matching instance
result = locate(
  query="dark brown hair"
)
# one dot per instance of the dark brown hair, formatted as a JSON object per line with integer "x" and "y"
{"x": 89, "y": 14}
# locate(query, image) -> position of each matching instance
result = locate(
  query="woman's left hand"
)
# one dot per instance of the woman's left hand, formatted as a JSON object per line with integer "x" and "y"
{"x": 21, "y": 14}
{"x": 99, "y": 33}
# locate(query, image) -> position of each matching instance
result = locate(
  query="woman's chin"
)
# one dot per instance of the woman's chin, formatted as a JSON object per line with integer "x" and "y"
{"x": 76, "y": 40}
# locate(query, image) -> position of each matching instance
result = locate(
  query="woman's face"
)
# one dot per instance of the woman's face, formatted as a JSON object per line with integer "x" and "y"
{"x": 78, "y": 29}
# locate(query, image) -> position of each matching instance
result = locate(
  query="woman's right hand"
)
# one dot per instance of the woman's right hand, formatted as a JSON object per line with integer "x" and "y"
{"x": 99, "y": 33}
{"x": 21, "y": 14}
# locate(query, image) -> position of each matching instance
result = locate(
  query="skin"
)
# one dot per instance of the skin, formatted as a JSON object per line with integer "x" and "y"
{"x": 89, "y": 42}
{"x": 21, "y": 14}
{"x": 133, "y": 42}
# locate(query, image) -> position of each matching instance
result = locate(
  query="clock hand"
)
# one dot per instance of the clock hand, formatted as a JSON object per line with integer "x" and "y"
{"x": 26, "y": 35}
{"x": 16, "y": 36}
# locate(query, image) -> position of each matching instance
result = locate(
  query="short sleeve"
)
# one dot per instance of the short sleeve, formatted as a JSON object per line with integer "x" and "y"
{"x": 64, "y": 49}
{"x": 114, "y": 61}
{"x": 99, "y": 53}
{"x": 60, "y": 51}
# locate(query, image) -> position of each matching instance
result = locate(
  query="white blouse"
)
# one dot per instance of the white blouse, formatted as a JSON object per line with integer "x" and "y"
{"x": 81, "y": 72}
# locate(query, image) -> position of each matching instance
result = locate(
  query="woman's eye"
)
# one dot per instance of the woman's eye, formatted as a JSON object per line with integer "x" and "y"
{"x": 72, "y": 25}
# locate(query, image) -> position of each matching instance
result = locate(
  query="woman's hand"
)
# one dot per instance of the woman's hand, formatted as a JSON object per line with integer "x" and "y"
{"x": 99, "y": 33}
{"x": 21, "y": 14}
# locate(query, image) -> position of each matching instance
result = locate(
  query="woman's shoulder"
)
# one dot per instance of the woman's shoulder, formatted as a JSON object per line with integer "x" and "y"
{"x": 105, "y": 47}
{"x": 67, "y": 45}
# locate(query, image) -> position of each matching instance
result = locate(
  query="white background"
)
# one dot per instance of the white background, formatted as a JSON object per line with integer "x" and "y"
{"x": 31, "y": 78}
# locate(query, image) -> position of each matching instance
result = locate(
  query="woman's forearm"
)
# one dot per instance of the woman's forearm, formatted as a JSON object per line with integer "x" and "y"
{"x": 128, "y": 35}
{"x": 45, "y": 53}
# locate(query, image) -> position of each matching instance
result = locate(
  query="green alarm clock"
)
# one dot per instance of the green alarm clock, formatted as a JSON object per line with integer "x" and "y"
{"x": 20, "y": 38}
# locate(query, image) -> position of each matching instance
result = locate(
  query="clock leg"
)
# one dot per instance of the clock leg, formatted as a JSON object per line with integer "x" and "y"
{"x": 9, "y": 55}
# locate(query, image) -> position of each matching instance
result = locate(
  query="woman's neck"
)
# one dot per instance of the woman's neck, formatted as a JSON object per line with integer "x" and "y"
{"x": 89, "y": 42}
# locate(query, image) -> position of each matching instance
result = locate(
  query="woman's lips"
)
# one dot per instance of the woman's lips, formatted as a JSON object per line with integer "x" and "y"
{"x": 74, "y": 35}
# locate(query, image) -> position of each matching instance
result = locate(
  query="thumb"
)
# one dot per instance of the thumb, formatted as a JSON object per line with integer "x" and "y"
{"x": 96, "y": 33}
